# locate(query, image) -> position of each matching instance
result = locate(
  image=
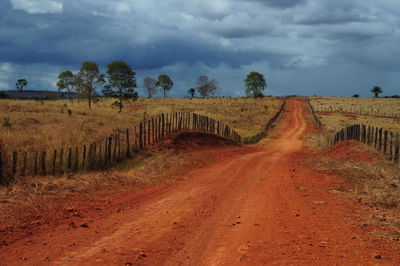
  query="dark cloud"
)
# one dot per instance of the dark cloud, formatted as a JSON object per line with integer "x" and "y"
{"x": 296, "y": 43}
{"x": 281, "y": 3}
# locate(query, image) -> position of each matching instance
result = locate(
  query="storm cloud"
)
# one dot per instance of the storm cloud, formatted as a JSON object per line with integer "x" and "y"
{"x": 302, "y": 46}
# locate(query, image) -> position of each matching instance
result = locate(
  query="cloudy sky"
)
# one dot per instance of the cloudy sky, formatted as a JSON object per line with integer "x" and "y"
{"x": 308, "y": 47}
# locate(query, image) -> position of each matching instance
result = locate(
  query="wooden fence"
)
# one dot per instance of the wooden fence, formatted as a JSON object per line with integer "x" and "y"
{"x": 121, "y": 145}
{"x": 380, "y": 139}
{"x": 356, "y": 111}
{"x": 316, "y": 118}
{"x": 256, "y": 138}
{"x": 101, "y": 155}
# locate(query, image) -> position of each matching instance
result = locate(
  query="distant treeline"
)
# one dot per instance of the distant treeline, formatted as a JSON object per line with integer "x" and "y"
{"x": 36, "y": 95}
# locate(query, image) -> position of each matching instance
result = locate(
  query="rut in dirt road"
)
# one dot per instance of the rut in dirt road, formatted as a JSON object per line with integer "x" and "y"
{"x": 251, "y": 207}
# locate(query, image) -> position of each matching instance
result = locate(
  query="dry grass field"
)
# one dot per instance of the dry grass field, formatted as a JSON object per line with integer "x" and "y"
{"x": 30, "y": 125}
{"x": 389, "y": 106}
{"x": 334, "y": 121}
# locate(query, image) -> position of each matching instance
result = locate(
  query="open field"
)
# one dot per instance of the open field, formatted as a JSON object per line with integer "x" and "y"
{"x": 41, "y": 125}
{"x": 384, "y": 106}
{"x": 268, "y": 203}
{"x": 335, "y": 121}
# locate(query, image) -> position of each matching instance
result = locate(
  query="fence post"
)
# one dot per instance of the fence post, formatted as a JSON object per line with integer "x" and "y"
{"x": 84, "y": 157}
{"x": 115, "y": 148}
{"x": 380, "y": 139}
{"x": 14, "y": 162}
{"x": 35, "y": 164}
{"x": 396, "y": 150}
{"x": 148, "y": 132}
{"x": 90, "y": 157}
{"x": 69, "y": 161}
{"x": 140, "y": 135}
{"x": 23, "y": 170}
{"x": 152, "y": 130}
{"x": 162, "y": 125}
{"x": 44, "y": 163}
{"x": 76, "y": 159}
{"x": 391, "y": 146}
{"x": 2, "y": 175}
{"x": 385, "y": 136}
{"x": 128, "y": 154}
{"x": 109, "y": 150}
{"x": 53, "y": 164}
{"x": 61, "y": 162}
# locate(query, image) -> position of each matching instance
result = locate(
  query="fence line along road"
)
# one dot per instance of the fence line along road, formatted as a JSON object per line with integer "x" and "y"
{"x": 380, "y": 139}
{"x": 121, "y": 145}
{"x": 316, "y": 118}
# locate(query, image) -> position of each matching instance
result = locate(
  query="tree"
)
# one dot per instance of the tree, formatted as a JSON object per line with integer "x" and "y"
{"x": 165, "y": 83}
{"x": 88, "y": 80}
{"x": 356, "y": 95}
{"x": 21, "y": 83}
{"x": 206, "y": 87}
{"x": 150, "y": 85}
{"x": 192, "y": 92}
{"x": 66, "y": 82}
{"x": 376, "y": 90}
{"x": 255, "y": 84}
{"x": 121, "y": 83}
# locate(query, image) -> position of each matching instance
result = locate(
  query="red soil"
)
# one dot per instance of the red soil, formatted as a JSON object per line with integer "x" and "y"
{"x": 252, "y": 206}
{"x": 191, "y": 141}
{"x": 350, "y": 151}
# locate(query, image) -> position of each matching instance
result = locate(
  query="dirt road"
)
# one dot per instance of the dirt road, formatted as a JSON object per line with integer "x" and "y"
{"x": 254, "y": 206}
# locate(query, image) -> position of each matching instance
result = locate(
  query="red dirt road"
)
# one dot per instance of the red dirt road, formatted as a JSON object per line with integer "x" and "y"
{"x": 253, "y": 206}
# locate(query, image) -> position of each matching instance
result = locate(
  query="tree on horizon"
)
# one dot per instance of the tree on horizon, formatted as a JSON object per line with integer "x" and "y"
{"x": 376, "y": 90}
{"x": 255, "y": 84}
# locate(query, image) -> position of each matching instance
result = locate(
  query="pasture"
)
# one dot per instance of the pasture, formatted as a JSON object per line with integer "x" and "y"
{"x": 30, "y": 125}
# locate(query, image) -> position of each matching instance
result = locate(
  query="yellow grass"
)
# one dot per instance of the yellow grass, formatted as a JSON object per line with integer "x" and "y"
{"x": 44, "y": 125}
{"x": 389, "y": 106}
{"x": 335, "y": 121}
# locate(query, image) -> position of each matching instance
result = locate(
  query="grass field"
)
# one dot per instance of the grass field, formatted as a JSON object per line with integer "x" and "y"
{"x": 334, "y": 121}
{"x": 389, "y": 106}
{"x": 30, "y": 125}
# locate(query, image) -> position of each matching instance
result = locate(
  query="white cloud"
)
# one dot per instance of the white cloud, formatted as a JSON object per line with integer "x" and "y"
{"x": 38, "y": 6}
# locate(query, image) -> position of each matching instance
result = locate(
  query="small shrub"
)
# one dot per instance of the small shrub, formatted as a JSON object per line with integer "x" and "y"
{"x": 6, "y": 122}
{"x": 69, "y": 112}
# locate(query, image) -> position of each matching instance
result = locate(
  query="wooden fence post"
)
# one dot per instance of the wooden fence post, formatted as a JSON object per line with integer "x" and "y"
{"x": 44, "y": 163}
{"x": 14, "y": 162}
{"x": 141, "y": 135}
{"x": 61, "y": 162}
{"x": 391, "y": 146}
{"x": 128, "y": 154}
{"x": 53, "y": 164}
{"x": 115, "y": 148}
{"x": 152, "y": 130}
{"x": 69, "y": 161}
{"x": 148, "y": 132}
{"x": 2, "y": 174}
{"x": 396, "y": 150}
{"x": 25, "y": 164}
{"x": 84, "y": 157}
{"x": 380, "y": 139}
{"x": 162, "y": 125}
{"x": 35, "y": 164}
{"x": 385, "y": 136}
{"x": 76, "y": 159}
